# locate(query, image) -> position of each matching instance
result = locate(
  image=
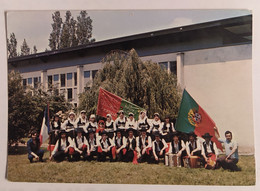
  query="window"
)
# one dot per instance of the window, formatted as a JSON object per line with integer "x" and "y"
{"x": 86, "y": 74}
{"x": 173, "y": 67}
{"x": 29, "y": 80}
{"x": 62, "y": 80}
{"x": 49, "y": 81}
{"x": 164, "y": 65}
{"x": 35, "y": 82}
{"x": 69, "y": 76}
{"x": 94, "y": 72}
{"x": 56, "y": 77}
{"x": 69, "y": 93}
{"x": 75, "y": 79}
{"x": 40, "y": 79}
{"x": 24, "y": 83}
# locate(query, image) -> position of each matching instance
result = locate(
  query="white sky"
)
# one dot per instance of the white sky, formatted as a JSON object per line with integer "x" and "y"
{"x": 35, "y": 26}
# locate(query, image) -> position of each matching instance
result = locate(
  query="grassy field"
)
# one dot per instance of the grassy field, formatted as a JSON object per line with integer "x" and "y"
{"x": 20, "y": 170}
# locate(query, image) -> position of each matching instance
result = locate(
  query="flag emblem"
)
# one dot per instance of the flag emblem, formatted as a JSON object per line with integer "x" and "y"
{"x": 194, "y": 117}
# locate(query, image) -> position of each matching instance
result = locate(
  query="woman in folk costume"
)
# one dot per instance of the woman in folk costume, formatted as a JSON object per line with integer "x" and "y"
{"x": 106, "y": 145}
{"x": 70, "y": 124}
{"x": 167, "y": 129}
{"x": 82, "y": 119}
{"x": 55, "y": 128}
{"x": 209, "y": 151}
{"x": 91, "y": 125}
{"x": 155, "y": 126}
{"x": 177, "y": 147}
{"x": 159, "y": 146}
{"x": 120, "y": 144}
{"x": 64, "y": 147}
{"x": 144, "y": 146}
{"x": 80, "y": 145}
{"x": 110, "y": 126}
{"x": 143, "y": 121}
{"x": 93, "y": 146}
{"x": 120, "y": 122}
{"x": 131, "y": 123}
{"x": 131, "y": 147}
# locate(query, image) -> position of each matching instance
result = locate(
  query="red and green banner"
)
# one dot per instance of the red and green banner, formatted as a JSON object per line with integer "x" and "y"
{"x": 109, "y": 103}
{"x": 192, "y": 118}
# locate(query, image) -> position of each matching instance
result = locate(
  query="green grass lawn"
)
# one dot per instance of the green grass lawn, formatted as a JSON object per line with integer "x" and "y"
{"x": 20, "y": 170}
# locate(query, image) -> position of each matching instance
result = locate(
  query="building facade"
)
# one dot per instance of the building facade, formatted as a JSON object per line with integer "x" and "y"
{"x": 212, "y": 60}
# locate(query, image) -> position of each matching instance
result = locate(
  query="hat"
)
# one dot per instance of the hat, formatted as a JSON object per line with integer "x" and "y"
{"x": 118, "y": 130}
{"x": 83, "y": 111}
{"x": 207, "y": 135}
{"x": 175, "y": 133}
{"x": 109, "y": 115}
{"x": 156, "y": 114}
{"x": 103, "y": 133}
{"x": 72, "y": 113}
{"x": 130, "y": 114}
{"x": 79, "y": 130}
{"x": 120, "y": 111}
{"x": 90, "y": 131}
{"x": 157, "y": 134}
{"x": 143, "y": 128}
{"x": 130, "y": 129}
{"x": 92, "y": 116}
{"x": 192, "y": 134}
{"x": 62, "y": 131}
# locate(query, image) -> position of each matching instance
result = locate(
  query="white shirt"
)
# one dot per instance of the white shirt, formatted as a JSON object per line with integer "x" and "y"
{"x": 68, "y": 128}
{"x": 82, "y": 121}
{"x": 157, "y": 144}
{"x": 120, "y": 126}
{"x": 157, "y": 123}
{"x": 209, "y": 149}
{"x": 168, "y": 125}
{"x": 63, "y": 145}
{"x": 176, "y": 146}
{"x": 92, "y": 145}
{"x": 143, "y": 142}
{"x": 131, "y": 124}
{"x": 80, "y": 143}
{"x": 193, "y": 146}
{"x": 118, "y": 140}
{"x": 105, "y": 144}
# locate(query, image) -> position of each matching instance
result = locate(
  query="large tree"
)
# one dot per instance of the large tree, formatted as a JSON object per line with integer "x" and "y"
{"x": 12, "y": 46}
{"x": 25, "y": 50}
{"x": 54, "y": 40}
{"x": 143, "y": 83}
{"x": 65, "y": 33}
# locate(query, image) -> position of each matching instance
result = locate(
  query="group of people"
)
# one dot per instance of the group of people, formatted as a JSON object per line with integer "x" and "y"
{"x": 128, "y": 140}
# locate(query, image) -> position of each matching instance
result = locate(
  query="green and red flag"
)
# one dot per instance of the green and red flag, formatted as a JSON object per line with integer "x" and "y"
{"x": 192, "y": 118}
{"x": 111, "y": 103}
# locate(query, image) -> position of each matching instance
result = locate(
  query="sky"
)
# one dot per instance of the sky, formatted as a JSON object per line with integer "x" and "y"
{"x": 35, "y": 26}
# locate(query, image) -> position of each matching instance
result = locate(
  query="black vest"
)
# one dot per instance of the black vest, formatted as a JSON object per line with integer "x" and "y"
{"x": 121, "y": 123}
{"x": 108, "y": 142}
{"x": 121, "y": 142}
{"x": 133, "y": 144}
{"x": 56, "y": 128}
{"x": 145, "y": 123}
{"x": 140, "y": 141}
{"x": 81, "y": 123}
{"x": 190, "y": 146}
{"x": 93, "y": 128}
{"x": 173, "y": 148}
{"x": 76, "y": 142}
{"x": 111, "y": 126}
{"x": 67, "y": 143}
{"x": 164, "y": 129}
{"x": 160, "y": 145}
{"x": 89, "y": 142}
{"x": 205, "y": 147}
{"x": 69, "y": 123}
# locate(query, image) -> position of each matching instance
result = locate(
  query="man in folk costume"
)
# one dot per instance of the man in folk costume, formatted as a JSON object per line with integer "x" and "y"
{"x": 120, "y": 122}
{"x": 55, "y": 128}
{"x": 110, "y": 126}
{"x": 158, "y": 145}
{"x": 167, "y": 129}
{"x": 209, "y": 152}
{"x": 144, "y": 146}
{"x": 93, "y": 146}
{"x": 82, "y": 119}
{"x": 193, "y": 146}
{"x": 230, "y": 160}
{"x": 120, "y": 144}
{"x": 91, "y": 125}
{"x": 155, "y": 126}
{"x": 177, "y": 147}
{"x": 131, "y": 147}
{"x": 143, "y": 121}
{"x": 70, "y": 124}
{"x": 80, "y": 145}
{"x": 131, "y": 123}
{"x": 33, "y": 147}
{"x": 64, "y": 147}
{"x": 106, "y": 145}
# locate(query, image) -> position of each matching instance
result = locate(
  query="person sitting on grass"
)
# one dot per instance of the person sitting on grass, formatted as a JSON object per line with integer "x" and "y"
{"x": 80, "y": 145}
{"x": 209, "y": 152}
{"x": 177, "y": 147}
{"x": 193, "y": 146}
{"x": 131, "y": 147}
{"x": 144, "y": 144}
{"x": 105, "y": 148}
{"x": 159, "y": 146}
{"x": 230, "y": 160}
{"x": 120, "y": 144}
{"x": 63, "y": 148}
{"x": 93, "y": 146}
{"x": 33, "y": 146}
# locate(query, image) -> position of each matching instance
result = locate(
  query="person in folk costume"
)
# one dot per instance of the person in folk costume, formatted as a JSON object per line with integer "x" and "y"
{"x": 131, "y": 146}
{"x": 167, "y": 129}
{"x": 177, "y": 147}
{"x": 193, "y": 146}
{"x": 120, "y": 122}
{"x": 33, "y": 147}
{"x": 209, "y": 151}
{"x": 155, "y": 126}
{"x": 93, "y": 146}
{"x": 159, "y": 146}
{"x": 143, "y": 121}
{"x": 70, "y": 124}
{"x": 81, "y": 145}
{"x": 101, "y": 126}
{"x": 55, "y": 127}
{"x": 131, "y": 123}
{"x": 82, "y": 119}
{"x": 64, "y": 147}
{"x": 110, "y": 126}
{"x": 91, "y": 125}
{"x": 144, "y": 146}
{"x": 120, "y": 144}
{"x": 106, "y": 145}
{"x": 230, "y": 160}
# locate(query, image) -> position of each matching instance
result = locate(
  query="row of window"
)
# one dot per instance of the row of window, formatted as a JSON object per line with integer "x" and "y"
{"x": 35, "y": 81}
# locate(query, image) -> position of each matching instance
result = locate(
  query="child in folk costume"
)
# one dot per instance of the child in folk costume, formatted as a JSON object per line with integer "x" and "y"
{"x": 93, "y": 145}
{"x": 131, "y": 123}
{"x": 55, "y": 128}
{"x": 158, "y": 145}
{"x": 155, "y": 126}
{"x": 144, "y": 146}
{"x": 177, "y": 147}
{"x": 131, "y": 147}
{"x": 110, "y": 126}
{"x": 120, "y": 144}
{"x": 209, "y": 152}
{"x": 82, "y": 119}
{"x": 80, "y": 145}
{"x": 106, "y": 145}
{"x": 167, "y": 129}
{"x": 91, "y": 125}
{"x": 33, "y": 146}
{"x": 64, "y": 147}
{"x": 70, "y": 124}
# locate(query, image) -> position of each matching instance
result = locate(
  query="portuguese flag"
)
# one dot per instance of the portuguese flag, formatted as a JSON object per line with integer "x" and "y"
{"x": 111, "y": 103}
{"x": 192, "y": 118}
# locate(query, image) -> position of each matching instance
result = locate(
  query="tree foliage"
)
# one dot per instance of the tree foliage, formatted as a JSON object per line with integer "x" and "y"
{"x": 25, "y": 50}
{"x": 26, "y": 107}
{"x": 143, "y": 83}
{"x": 12, "y": 46}
{"x": 54, "y": 40}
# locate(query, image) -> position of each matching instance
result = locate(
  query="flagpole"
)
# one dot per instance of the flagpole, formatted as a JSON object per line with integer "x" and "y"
{"x": 49, "y": 124}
